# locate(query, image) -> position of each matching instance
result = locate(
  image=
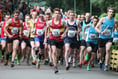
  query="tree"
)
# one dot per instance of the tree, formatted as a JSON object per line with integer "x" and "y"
{"x": 103, "y": 4}
{"x": 98, "y": 6}
{"x": 82, "y": 5}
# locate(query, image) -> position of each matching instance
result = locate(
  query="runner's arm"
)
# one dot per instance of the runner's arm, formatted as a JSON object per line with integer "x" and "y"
{"x": 6, "y": 26}
{"x": 116, "y": 23}
{"x": 79, "y": 27}
{"x": 65, "y": 25}
{"x": 87, "y": 26}
{"x": 99, "y": 24}
{"x": 21, "y": 28}
{"x": 46, "y": 30}
{"x": 33, "y": 25}
{"x": 1, "y": 23}
{"x": 29, "y": 31}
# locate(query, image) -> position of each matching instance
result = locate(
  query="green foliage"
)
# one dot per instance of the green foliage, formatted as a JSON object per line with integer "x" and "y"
{"x": 103, "y": 15}
{"x": 82, "y": 6}
{"x": 54, "y": 3}
{"x": 97, "y": 2}
{"x": 115, "y": 46}
{"x": 103, "y": 4}
{"x": 116, "y": 16}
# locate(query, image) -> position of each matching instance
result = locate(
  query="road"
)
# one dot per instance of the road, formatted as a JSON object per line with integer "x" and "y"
{"x": 45, "y": 72}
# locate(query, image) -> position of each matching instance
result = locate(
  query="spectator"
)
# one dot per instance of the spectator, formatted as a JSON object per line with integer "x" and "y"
{"x": 14, "y": 5}
{"x": 9, "y": 5}
{"x": 35, "y": 9}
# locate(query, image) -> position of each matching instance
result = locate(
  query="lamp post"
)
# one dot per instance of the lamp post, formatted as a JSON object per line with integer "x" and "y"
{"x": 90, "y": 7}
{"x": 28, "y": 6}
{"x": 75, "y": 6}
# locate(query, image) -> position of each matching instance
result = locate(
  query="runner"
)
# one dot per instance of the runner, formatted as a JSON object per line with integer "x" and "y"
{"x": 47, "y": 44}
{"x": 70, "y": 40}
{"x": 106, "y": 25}
{"x": 3, "y": 36}
{"x": 56, "y": 26}
{"x": 115, "y": 37}
{"x": 39, "y": 37}
{"x": 25, "y": 44}
{"x": 60, "y": 54}
{"x": 82, "y": 41}
{"x": 82, "y": 17}
{"x": 32, "y": 34}
{"x": 34, "y": 9}
{"x": 92, "y": 41}
{"x": 48, "y": 16}
{"x": 13, "y": 29}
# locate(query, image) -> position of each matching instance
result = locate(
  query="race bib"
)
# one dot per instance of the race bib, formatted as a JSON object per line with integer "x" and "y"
{"x": 107, "y": 33}
{"x": 0, "y": 31}
{"x": 81, "y": 33}
{"x": 26, "y": 33}
{"x": 33, "y": 31}
{"x": 93, "y": 36}
{"x": 56, "y": 32}
{"x": 5, "y": 34}
{"x": 115, "y": 40}
{"x": 86, "y": 34}
{"x": 39, "y": 32}
{"x": 71, "y": 33}
{"x": 14, "y": 30}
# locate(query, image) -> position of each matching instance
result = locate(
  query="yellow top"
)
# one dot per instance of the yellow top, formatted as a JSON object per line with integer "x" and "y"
{"x": 31, "y": 27}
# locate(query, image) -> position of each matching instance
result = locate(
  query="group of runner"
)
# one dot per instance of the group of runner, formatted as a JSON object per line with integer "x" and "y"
{"x": 54, "y": 37}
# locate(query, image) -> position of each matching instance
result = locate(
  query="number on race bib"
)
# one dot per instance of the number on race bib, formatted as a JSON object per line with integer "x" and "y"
{"x": 71, "y": 33}
{"x": 14, "y": 30}
{"x": 93, "y": 36}
{"x": 39, "y": 32}
{"x": 56, "y": 32}
{"x": 26, "y": 33}
{"x": 115, "y": 40}
{"x": 107, "y": 33}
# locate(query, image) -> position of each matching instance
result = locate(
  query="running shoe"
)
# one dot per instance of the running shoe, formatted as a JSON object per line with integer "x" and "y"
{"x": 106, "y": 68}
{"x": 5, "y": 63}
{"x": 92, "y": 65}
{"x": 51, "y": 64}
{"x": 18, "y": 62}
{"x": 38, "y": 65}
{"x": 68, "y": 67}
{"x": 84, "y": 61}
{"x": 88, "y": 68}
{"x": 79, "y": 64}
{"x": 2, "y": 59}
{"x": 100, "y": 66}
{"x": 34, "y": 61}
{"x": 73, "y": 64}
{"x": 12, "y": 64}
{"x": 56, "y": 70}
{"x": 46, "y": 62}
